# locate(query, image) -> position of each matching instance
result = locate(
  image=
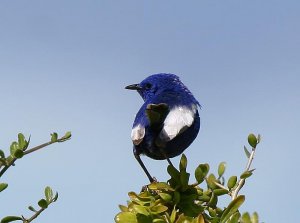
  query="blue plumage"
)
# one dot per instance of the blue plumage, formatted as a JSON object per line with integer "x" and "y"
{"x": 168, "y": 121}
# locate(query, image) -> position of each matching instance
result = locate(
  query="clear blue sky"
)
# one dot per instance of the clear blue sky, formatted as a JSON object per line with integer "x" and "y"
{"x": 64, "y": 65}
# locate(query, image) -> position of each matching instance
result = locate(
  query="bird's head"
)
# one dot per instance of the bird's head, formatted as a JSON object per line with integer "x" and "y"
{"x": 157, "y": 83}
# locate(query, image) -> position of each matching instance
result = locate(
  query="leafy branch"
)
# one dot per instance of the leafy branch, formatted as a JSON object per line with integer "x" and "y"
{"x": 19, "y": 149}
{"x": 177, "y": 201}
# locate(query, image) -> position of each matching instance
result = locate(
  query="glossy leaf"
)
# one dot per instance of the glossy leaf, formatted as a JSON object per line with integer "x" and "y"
{"x": 158, "y": 209}
{"x": 220, "y": 192}
{"x": 246, "y": 174}
{"x": 140, "y": 209}
{"x": 254, "y": 218}
{"x": 166, "y": 197}
{"x": 201, "y": 172}
{"x": 54, "y": 137}
{"x": 13, "y": 147}
{"x": 232, "y": 208}
{"x": 126, "y": 217}
{"x": 48, "y": 194}
{"x": 32, "y": 209}
{"x": 43, "y": 203}
{"x": 221, "y": 169}
{"x": 160, "y": 186}
{"x": 55, "y": 197}
{"x": 234, "y": 218}
{"x": 183, "y": 163}
{"x": 247, "y": 152}
{"x": 252, "y": 140}
{"x": 11, "y": 219}
{"x": 3, "y": 186}
{"x": 2, "y": 155}
{"x": 246, "y": 218}
{"x": 67, "y": 135}
{"x": 19, "y": 153}
{"x": 21, "y": 141}
{"x": 184, "y": 180}
{"x": 211, "y": 179}
{"x": 231, "y": 182}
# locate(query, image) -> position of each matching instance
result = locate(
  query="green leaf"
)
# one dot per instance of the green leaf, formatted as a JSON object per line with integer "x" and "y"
{"x": 252, "y": 140}
{"x": 126, "y": 217}
{"x": 67, "y": 135}
{"x": 2, "y": 155}
{"x": 55, "y": 197}
{"x": 54, "y": 137}
{"x": 48, "y": 194}
{"x": 158, "y": 209}
{"x": 175, "y": 175}
{"x": 160, "y": 186}
{"x": 220, "y": 192}
{"x": 246, "y": 174}
{"x": 166, "y": 197}
{"x": 13, "y": 147}
{"x": 213, "y": 201}
{"x": 231, "y": 182}
{"x": 184, "y": 180}
{"x": 32, "y": 209}
{"x": 246, "y": 218}
{"x": 234, "y": 218}
{"x": 258, "y": 138}
{"x": 232, "y": 208}
{"x": 21, "y": 141}
{"x": 19, "y": 153}
{"x": 254, "y": 218}
{"x": 10, "y": 219}
{"x": 247, "y": 152}
{"x": 140, "y": 209}
{"x": 43, "y": 203}
{"x": 183, "y": 163}
{"x": 173, "y": 214}
{"x": 3, "y": 186}
{"x": 221, "y": 169}
{"x": 211, "y": 179}
{"x": 201, "y": 172}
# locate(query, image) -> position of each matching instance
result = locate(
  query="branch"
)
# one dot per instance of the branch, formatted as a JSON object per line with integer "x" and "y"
{"x": 33, "y": 216}
{"x": 54, "y": 139}
{"x": 241, "y": 182}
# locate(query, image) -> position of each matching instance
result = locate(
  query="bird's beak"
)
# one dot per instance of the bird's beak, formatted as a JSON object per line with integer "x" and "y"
{"x": 133, "y": 87}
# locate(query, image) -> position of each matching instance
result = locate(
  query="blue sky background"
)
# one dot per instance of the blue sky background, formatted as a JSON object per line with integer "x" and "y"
{"x": 64, "y": 65}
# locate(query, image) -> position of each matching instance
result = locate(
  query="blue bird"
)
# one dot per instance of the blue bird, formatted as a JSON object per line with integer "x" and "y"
{"x": 168, "y": 121}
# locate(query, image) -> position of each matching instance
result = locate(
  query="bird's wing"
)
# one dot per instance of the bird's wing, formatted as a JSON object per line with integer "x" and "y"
{"x": 137, "y": 134}
{"x": 177, "y": 121}
{"x": 155, "y": 115}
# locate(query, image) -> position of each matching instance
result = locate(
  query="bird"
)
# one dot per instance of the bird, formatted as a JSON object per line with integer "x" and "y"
{"x": 167, "y": 122}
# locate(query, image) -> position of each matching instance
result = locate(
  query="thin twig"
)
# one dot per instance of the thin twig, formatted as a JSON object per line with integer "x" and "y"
{"x": 28, "y": 152}
{"x": 241, "y": 182}
{"x": 38, "y": 147}
{"x": 33, "y": 216}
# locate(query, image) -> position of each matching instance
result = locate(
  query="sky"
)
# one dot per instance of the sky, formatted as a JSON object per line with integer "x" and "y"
{"x": 64, "y": 65}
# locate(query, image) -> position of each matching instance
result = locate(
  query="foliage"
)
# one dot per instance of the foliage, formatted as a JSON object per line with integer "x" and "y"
{"x": 19, "y": 149}
{"x": 178, "y": 201}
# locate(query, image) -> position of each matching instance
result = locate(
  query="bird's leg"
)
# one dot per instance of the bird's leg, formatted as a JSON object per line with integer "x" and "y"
{"x": 138, "y": 158}
{"x": 169, "y": 161}
{"x": 166, "y": 157}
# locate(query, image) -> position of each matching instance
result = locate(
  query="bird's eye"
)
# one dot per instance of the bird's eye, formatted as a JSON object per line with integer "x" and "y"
{"x": 148, "y": 86}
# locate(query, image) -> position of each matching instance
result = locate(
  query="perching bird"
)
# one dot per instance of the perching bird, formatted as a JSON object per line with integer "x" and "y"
{"x": 168, "y": 121}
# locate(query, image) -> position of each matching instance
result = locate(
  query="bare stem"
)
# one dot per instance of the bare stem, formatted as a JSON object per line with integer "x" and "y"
{"x": 241, "y": 182}
{"x": 33, "y": 216}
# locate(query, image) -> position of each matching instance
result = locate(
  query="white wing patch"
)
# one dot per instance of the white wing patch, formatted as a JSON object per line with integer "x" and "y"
{"x": 178, "y": 120}
{"x": 137, "y": 134}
